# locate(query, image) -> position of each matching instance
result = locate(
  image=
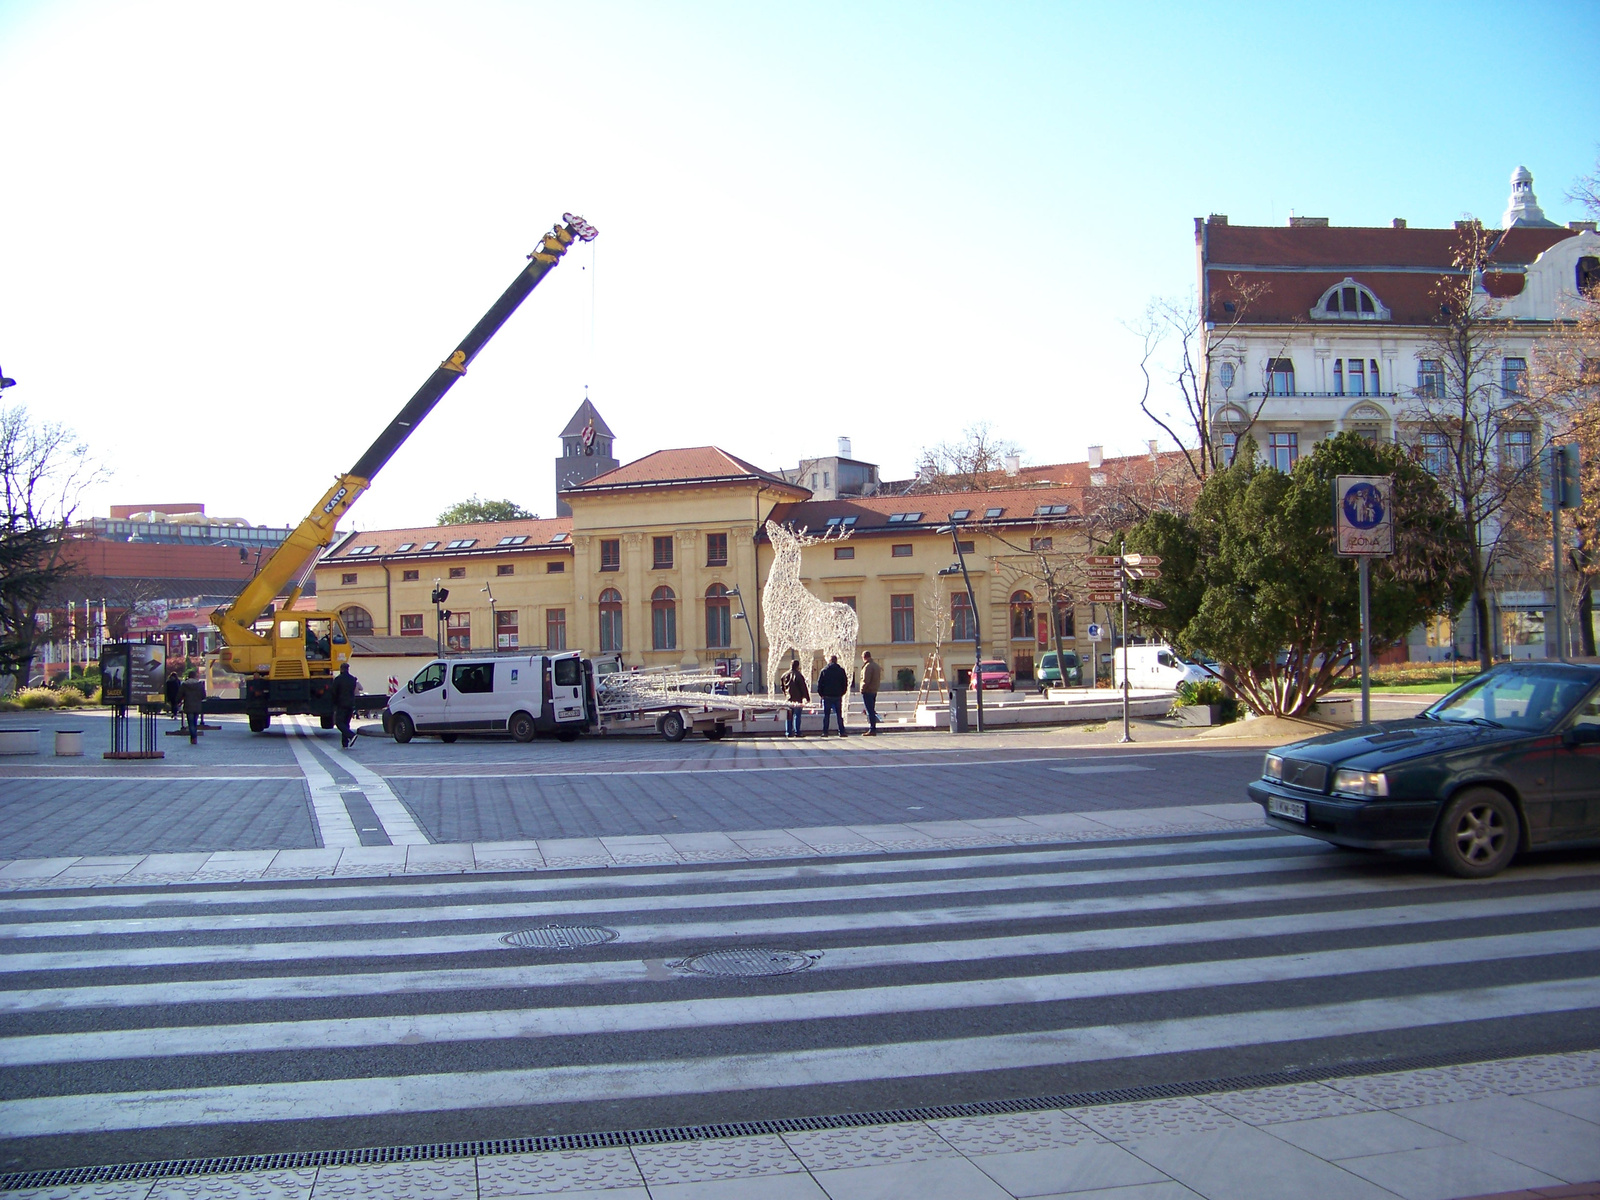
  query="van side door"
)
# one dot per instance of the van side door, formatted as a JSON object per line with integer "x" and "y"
{"x": 427, "y": 699}
{"x": 472, "y": 706}
{"x": 566, "y": 689}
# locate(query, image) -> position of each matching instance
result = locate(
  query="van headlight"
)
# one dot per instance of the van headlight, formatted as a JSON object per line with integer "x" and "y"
{"x": 1273, "y": 767}
{"x": 1360, "y": 783}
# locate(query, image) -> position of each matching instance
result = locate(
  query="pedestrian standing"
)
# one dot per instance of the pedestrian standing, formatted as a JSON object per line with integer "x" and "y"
{"x": 871, "y": 675}
{"x": 174, "y": 692}
{"x": 832, "y": 684}
{"x": 793, "y": 683}
{"x": 345, "y": 690}
{"x": 194, "y": 699}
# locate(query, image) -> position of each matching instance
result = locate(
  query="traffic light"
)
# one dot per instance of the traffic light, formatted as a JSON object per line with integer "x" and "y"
{"x": 1560, "y": 477}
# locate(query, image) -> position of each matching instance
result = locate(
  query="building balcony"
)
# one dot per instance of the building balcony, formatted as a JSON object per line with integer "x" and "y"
{"x": 1325, "y": 395}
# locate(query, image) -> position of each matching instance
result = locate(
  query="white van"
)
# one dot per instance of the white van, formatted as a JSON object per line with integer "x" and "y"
{"x": 523, "y": 695}
{"x": 1157, "y": 666}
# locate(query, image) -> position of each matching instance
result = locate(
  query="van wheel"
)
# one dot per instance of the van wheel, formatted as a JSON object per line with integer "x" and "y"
{"x": 673, "y": 727}
{"x": 521, "y": 727}
{"x": 402, "y": 728}
{"x": 447, "y": 738}
{"x": 327, "y": 720}
{"x": 259, "y": 722}
{"x": 567, "y": 735}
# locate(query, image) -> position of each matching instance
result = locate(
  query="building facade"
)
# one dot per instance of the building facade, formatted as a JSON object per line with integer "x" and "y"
{"x": 1313, "y": 329}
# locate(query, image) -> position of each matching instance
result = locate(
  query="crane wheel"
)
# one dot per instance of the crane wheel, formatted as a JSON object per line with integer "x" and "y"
{"x": 259, "y": 722}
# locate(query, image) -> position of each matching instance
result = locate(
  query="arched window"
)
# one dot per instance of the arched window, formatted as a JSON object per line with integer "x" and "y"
{"x": 1349, "y": 301}
{"x": 1022, "y": 616}
{"x": 610, "y": 620}
{"x": 663, "y": 619}
{"x": 719, "y": 618}
{"x": 356, "y": 620}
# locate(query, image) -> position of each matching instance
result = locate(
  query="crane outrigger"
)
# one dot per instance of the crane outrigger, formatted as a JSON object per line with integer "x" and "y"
{"x": 292, "y": 656}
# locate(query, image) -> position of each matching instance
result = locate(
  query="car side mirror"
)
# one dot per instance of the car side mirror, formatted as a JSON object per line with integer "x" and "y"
{"x": 411, "y": 686}
{"x": 1581, "y": 735}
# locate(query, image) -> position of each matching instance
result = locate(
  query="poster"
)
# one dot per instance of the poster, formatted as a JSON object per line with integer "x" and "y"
{"x": 114, "y": 670}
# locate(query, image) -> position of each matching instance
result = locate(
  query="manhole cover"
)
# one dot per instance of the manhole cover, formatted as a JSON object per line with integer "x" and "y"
{"x": 559, "y": 937}
{"x": 747, "y": 963}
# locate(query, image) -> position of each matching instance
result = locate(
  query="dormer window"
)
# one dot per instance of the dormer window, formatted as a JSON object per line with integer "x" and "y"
{"x": 1349, "y": 301}
{"x": 461, "y": 543}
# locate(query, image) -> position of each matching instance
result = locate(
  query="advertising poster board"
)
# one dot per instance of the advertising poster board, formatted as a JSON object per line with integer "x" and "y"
{"x": 147, "y": 671}
{"x": 114, "y": 674}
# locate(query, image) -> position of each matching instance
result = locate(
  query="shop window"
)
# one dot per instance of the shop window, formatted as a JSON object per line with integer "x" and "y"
{"x": 458, "y": 631}
{"x": 410, "y": 576}
{"x": 716, "y": 549}
{"x": 611, "y": 554}
{"x": 411, "y": 625}
{"x": 663, "y": 617}
{"x": 1022, "y": 616}
{"x": 902, "y": 619}
{"x": 661, "y": 553}
{"x": 719, "y": 618}
{"x": 505, "y": 629}
{"x": 555, "y": 629}
{"x": 610, "y": 620}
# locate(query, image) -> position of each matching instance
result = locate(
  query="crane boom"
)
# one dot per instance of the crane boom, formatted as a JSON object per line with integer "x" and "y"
{"x": 245, "y": 649}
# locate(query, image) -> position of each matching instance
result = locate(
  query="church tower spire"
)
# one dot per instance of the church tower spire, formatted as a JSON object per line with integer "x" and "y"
{"x": 586, "y": 444}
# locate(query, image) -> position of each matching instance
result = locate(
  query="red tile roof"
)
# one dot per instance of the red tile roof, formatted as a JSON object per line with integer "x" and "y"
{"x": 1333, "y": 246}
{"x": 689, "y": 465}
{"x": 484, "y": 534}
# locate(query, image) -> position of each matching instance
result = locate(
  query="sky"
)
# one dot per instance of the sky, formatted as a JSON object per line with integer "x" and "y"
{"x": 235, "y": 238}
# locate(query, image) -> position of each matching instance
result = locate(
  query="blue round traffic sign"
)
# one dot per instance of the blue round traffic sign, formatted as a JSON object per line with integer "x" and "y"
{"x": 1363, "y": 506}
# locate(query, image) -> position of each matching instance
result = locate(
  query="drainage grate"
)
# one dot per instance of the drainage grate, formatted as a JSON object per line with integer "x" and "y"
{"x": 747, "y": 963}
{"x": 545, "y": 1143}
{"x": 559, "y": 937}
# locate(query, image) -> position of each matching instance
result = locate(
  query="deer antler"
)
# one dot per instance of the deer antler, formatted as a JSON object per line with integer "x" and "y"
{"x": 835, "y": 533}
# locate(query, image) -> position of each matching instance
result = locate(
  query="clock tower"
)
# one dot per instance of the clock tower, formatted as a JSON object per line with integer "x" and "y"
{"x": 585, "y": 452}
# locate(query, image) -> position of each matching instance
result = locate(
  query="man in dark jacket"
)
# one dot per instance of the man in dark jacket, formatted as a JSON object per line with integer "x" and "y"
{"x": 194, "y": 698}
{"x": 871, "y": 676}
{"x": 174, "y": 692}
{"x": 345, "y": 689}
{"x": 793, "y": 683}
{"x": 832, "y": 684}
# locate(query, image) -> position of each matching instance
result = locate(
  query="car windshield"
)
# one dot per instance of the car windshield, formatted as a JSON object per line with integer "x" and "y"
{"x": 1521, "y": 699}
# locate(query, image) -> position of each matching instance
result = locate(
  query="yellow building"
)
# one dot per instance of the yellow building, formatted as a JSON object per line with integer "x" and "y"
{"x": 661, "y": 556}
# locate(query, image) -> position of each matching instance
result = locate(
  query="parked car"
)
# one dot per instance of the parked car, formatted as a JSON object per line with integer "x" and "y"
{"x": 1067, "y": 673}
{"x": 1508, "y": 761}
{"x": 994, "y": 676}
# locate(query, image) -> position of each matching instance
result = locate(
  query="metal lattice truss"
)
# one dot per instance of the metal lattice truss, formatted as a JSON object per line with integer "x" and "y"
{"x": 794, "y": 619}
{"x": 654, "y": 688}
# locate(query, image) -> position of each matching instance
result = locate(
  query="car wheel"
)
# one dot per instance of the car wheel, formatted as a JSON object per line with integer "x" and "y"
{"x": 522, "y": 728}
{"x": 402, "y": 728}
{"x": 447, "y": 738}
{"x": 1477, "y": 834}
{"x": 674, "y": 727}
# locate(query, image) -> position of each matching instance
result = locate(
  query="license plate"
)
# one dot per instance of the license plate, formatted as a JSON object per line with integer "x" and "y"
{"x": 1295, "y": 810}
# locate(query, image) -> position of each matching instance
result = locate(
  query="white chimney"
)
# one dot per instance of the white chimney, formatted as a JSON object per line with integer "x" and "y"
{"x": 844, "y": 447}
{"x": 1096, "y": 457}
{"x": 1013, "y": 463}
{"x": 1153, "y": 443}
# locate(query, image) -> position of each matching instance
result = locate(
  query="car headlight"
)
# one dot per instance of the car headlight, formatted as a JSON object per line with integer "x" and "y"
{"x": 1273, "y": 767}
{"x": 1361, "y": 783}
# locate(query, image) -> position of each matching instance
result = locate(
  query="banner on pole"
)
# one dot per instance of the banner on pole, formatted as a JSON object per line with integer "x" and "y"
{"x": 1363, "y": 515}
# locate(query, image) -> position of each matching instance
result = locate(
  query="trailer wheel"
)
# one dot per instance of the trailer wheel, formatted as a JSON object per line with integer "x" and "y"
{"x": 327, "y": 720}
{"x": 522, "y": 727}
{"x": 447, "y": 738}
{"x": 567, "y": 735}
{"x": 674, "y": 727}
{"x": 402, "y": 728}
{"x": 716, "y": 733}
{"x": 259, "y": 722}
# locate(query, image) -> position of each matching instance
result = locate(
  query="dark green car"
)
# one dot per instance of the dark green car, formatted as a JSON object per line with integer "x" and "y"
{"x": 1508, "y": 761}
{"x": 1066, "y": 673}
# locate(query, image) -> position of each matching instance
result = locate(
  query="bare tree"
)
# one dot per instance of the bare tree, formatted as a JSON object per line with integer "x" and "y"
{"x": 1585, "y": 190}
{"x": 1055, "y": 573}
{"x": 936, "y": 608}
{"x": 44, "y": 470}
{"x": 1466, "y": 410}
{"x": 975, "y": 463}
{"x": 1193, "y": 339}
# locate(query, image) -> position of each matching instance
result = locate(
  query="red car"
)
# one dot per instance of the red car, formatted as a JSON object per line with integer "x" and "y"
{"x": 993, "y": 676}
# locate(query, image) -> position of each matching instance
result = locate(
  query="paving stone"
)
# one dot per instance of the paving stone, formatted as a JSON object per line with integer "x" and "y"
{"x": 715, "y": 1158}
{"x": 1409, "y": 1089}
{"x": 1292, "y": 1102}
{"x": 1015, "y": 1133}
{"x": 254, "y": 1185}
{"x": 822, "y": 1149}
{"x": 1357, "y": 1134}
{"x": 1557, "y": 1143}
{"x": 1154, "y": 1118}
{"x": 562, "y": 1171}
{"x": 1583, "y": 1103}
{"x": 1536, "y": 1073}
{"x": 1446, "y": 1172}
{"x": 925, "y": 1179}
{"x": 126, "y": 1189}
{"x": 1068, "y": 1168}
{"x": 1243, "y": 1163}
{"x": 454, "y": 1179}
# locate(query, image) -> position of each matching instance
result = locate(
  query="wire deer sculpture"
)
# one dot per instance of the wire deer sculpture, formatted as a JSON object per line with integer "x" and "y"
{"x": 793, "y": 618}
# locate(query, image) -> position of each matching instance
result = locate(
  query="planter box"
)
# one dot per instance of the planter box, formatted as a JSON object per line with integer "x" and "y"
{"x": 1339, "y": 712}
{"x": 69, "y": 743}
{"x": 1199, "y": 714}
{"x": 19, "y": 741}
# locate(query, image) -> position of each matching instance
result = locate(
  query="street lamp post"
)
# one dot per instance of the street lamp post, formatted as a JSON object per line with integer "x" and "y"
{"x": 755, "y": 652}
{"x": 494, "y": 629}
{"x": 972, "y": 605}
{"x": 440, "y": 614}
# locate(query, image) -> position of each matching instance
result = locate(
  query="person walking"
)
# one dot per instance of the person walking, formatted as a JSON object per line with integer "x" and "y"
{"x": 194, "y": 698}
{"x": 345, "y": 690}
{"x": 832, "y": 684}
{"x": 174, "y": 693}
{"x": 793, "y": 683}
{"x": 871, "y": 675}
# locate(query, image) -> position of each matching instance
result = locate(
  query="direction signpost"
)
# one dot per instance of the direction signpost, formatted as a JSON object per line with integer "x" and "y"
{"x": 1363, "y": 516}
{"x": 1109, "y": 575}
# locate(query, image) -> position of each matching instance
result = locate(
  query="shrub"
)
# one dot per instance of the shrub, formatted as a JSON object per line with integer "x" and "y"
{"x": 38, "y": 697}
{"x": 69, "y": 697}
{"x": 9, "y": 705}
{"x": 1207, "y": 691}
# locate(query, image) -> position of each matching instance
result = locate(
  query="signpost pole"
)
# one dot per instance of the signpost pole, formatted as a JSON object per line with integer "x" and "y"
{"x": 1122, "y": 572}
{"x": 1555, "y": 559}
{"x": 1366, "y": 643}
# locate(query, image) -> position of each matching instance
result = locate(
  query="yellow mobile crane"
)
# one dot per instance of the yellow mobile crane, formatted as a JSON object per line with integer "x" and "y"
{"x": 291, "y": 657}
